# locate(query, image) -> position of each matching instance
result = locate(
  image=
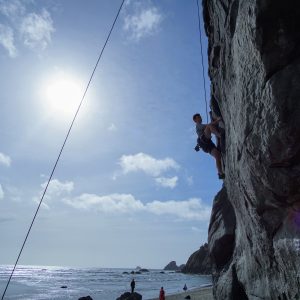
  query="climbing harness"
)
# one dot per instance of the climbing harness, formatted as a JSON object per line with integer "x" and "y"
{"x": 63, "y": 145}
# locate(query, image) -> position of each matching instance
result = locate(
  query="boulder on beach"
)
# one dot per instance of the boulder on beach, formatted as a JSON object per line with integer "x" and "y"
{"x": 130, "y": 296}
{"x": 86, "y": 298}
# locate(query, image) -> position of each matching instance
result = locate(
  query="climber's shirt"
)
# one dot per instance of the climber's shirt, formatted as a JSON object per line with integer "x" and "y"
{"x": 200, "y": 129}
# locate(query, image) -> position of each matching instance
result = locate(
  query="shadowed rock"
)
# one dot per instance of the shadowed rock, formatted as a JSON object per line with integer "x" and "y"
{"x": 86, "y": 298}
{"x": 198, "y": 262}
{"x": 254, "y": 67}
{"x": 130, "y": 296}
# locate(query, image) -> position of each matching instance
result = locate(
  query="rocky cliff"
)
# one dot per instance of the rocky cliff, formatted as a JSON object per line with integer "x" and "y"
{"x": 254, "y": 67}
{"x": 199, "y": 262}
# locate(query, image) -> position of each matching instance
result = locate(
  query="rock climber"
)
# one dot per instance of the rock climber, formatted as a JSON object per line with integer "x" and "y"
{"x": 204, "y": 132}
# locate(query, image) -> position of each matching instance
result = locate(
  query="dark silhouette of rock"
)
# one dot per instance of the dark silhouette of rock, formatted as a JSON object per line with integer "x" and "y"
{"x": 132, "y": 272}
{"x": 125, "y": 273}
{"x": 144, "y": 270}
{"x": 63, "y": 287}
{"x": 162, "y": 272}
{"x": 130, "y": 296}
{"x": 86, "y": 298}
{"x": 172, "y": 266}
{"x": 254, "y": 67}
{"x": 199, "y": 262}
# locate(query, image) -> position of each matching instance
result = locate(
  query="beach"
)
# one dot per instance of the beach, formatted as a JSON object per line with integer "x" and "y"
{"x": 196, "y": 294}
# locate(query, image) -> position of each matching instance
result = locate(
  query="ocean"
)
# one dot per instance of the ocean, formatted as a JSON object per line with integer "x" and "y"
{"x": 40, "y": 282}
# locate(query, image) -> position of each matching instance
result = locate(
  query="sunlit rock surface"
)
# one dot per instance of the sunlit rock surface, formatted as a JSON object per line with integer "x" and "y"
{"x": 254, "y": 66}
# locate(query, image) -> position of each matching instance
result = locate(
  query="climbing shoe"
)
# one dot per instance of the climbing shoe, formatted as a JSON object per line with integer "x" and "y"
{"x": 221, "y": 176}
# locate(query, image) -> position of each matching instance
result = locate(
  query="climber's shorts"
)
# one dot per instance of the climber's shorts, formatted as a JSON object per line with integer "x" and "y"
{"x": 206, "y": 144}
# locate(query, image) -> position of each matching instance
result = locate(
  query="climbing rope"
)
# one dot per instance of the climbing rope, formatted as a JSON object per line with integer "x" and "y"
{"x": 202, "y": 60}
{"x": 63, "y": 145}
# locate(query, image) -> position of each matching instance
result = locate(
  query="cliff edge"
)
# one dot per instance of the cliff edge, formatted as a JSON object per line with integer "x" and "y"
{"x": 254, "y": 67}
{"x": 198, "y": 262}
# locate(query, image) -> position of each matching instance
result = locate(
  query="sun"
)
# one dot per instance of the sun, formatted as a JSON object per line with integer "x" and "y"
{"x": 62, "y": 95}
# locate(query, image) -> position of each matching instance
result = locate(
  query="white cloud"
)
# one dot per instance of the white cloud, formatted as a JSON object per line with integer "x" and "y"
{"x": 143, "y": 21}
{"x": 36, "y": 30}
{"x": 167, "y": 182}
{"x": 112, "y": 127}
{"x": 5, "y": 160}
{"x": 192, "y": 209}
{"x": 56, "y": 189}
{"x": 146, "y": 163}
{"x": 7, "y": 40}
{"x": 1, "y": 192}
{"x": 114, "y": 203}
{"x": 12, "y": 8}
{"x": 33, "y": 29}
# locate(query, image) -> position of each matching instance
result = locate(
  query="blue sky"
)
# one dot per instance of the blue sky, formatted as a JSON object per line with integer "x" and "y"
{"x": 129, "y": 189}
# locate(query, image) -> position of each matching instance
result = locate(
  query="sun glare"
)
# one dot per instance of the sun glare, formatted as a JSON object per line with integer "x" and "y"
{"x": 62, "y": 94}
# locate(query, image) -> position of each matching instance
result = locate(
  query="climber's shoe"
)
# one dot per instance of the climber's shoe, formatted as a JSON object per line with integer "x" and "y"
{"x": 221, "y": 176}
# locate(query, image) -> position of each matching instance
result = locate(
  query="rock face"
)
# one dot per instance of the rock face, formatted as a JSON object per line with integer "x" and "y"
{"x": 254, "y": 67}
{"x": 199, "y": 262}
{"x": 172, "y": 266}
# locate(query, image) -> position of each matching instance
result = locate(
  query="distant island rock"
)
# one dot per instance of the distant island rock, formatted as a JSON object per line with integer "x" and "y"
{"x": 172, "y": 266}
{"x": 144, "y": 270}
{"x": 199, "y": 262}
{"x": 130, "y": 296}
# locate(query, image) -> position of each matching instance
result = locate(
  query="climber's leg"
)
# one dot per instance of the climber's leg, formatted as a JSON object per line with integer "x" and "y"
{"x": 217, "y": 155}
{"x": 209, "y": 129}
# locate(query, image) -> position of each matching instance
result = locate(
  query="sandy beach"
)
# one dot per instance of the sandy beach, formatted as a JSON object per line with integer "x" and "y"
{"x": 196, "y": 294}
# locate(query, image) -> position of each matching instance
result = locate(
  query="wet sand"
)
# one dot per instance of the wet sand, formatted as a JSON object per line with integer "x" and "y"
{"x": 196, "y": 294}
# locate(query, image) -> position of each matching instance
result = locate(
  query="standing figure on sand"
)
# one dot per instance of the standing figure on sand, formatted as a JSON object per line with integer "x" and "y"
{"x": 162, "y": 294}
{"x": 132, "y": 285}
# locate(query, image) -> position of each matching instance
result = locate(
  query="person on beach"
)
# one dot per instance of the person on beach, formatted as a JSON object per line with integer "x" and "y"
{"x": 162, "y": 294}
{"x": 132, "y": 284}
{"x": 185, "y": 288}
{"x": 204, "y": 132}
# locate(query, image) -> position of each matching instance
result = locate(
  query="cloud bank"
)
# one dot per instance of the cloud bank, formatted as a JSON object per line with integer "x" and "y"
{"x": 191, "y": 209}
